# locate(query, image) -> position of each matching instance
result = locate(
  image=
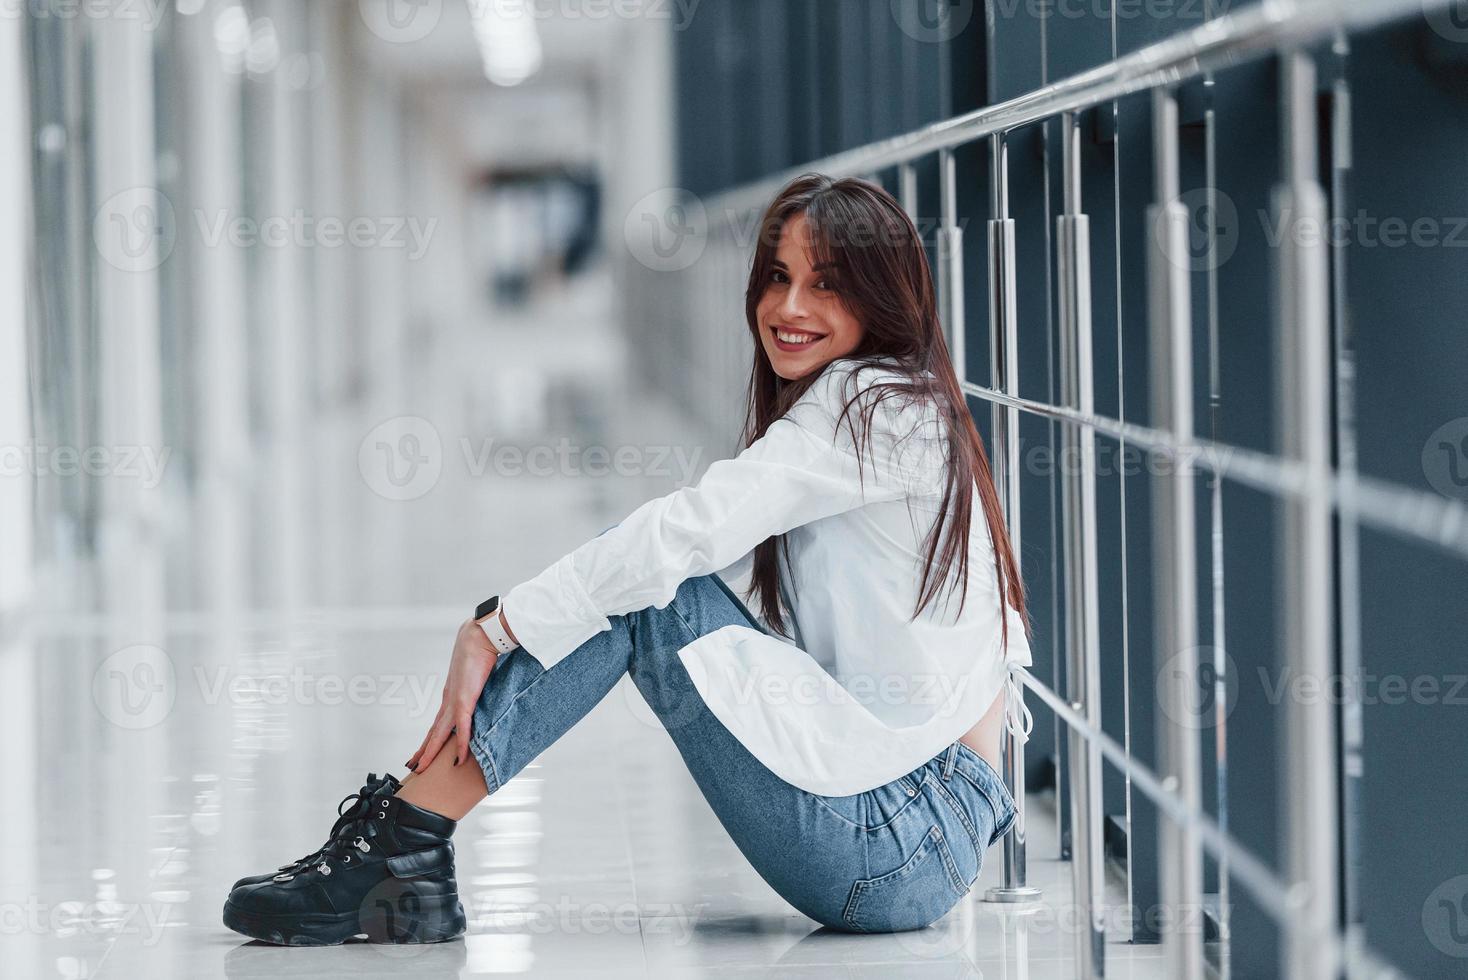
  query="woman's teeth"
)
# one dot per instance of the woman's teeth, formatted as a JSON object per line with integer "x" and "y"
{"x": 796, "y": 338}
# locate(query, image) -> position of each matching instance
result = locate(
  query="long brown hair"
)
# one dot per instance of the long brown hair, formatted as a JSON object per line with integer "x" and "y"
{"x": 881, "y": 276}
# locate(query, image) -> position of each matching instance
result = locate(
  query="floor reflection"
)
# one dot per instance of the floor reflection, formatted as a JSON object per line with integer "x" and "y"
{"x": 165, "y": 742}
{"x": 601, "y": 858}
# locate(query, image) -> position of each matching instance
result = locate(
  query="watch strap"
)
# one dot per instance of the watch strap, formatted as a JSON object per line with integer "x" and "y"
{"x": 487, "y": 615}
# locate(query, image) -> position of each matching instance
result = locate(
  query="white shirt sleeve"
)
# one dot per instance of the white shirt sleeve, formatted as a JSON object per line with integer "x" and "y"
{"x": 737, "y": 575}
{"x": 801, "y": 470}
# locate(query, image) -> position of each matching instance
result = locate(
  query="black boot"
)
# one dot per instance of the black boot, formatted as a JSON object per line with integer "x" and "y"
{"x": 360, "y": 801}
{"x": 389, "y": 876}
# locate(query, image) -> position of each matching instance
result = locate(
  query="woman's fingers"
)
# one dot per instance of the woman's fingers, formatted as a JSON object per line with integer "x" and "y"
{"x": 461, "y": 731}
{"x": 436, "y": 740}
{"x": 437, "y": 736}
{"x": 412, "y": 762}
{"x": 469, "y": 665}
{"x": 415, "y": 758}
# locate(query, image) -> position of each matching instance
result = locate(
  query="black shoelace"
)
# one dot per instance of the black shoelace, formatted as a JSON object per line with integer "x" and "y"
{"x": 354, "y": 836}
{"x": 346, "y": 822}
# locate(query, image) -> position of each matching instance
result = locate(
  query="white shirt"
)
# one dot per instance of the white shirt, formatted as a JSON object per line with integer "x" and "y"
{"x": 861, "y": 695}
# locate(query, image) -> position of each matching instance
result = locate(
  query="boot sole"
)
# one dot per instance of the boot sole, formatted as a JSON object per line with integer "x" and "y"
{"x": 437, "y": 920}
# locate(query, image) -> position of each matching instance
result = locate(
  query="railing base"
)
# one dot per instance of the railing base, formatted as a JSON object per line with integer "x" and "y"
{"x": 1011, "y": 896}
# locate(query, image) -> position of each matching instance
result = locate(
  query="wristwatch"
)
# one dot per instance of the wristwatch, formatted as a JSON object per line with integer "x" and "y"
{"x": 487, "y": 615}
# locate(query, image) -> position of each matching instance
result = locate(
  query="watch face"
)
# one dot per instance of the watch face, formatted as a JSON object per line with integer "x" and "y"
{"x": 486, "y": 607}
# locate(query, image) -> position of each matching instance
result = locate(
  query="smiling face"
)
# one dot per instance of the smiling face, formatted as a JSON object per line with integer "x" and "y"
{"x": 803, "y": 324}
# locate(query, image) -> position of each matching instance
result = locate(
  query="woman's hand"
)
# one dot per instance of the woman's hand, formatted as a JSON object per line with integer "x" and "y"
{"x": 473, "y": 658}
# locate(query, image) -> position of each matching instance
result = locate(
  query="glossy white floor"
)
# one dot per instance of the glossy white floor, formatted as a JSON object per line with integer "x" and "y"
{"x": 156, "y": 752}
{"x": 602, "y": 859}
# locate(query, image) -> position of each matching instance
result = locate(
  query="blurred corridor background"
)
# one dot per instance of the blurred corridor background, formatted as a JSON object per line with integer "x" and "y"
{"x": 323, "y": 320}
{"x": 277, "y": 238}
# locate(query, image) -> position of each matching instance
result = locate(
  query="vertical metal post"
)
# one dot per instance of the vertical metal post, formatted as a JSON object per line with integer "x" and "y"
{"x": 1308, "y": 773}
{"x": 1222, "y": 962}
{"x": 1078, "y": 468}
{"x": 1004, "y": 462}
{"x": 1174, "y": 572}
{"x": 1348, "y": 559}
{"x": 907, "y": 191}
{"x": 950, "y": 262}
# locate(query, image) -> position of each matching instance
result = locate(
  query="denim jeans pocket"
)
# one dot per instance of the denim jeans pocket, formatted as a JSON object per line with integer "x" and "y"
{"x": 988, "y": 787}
{"x": 881, "y": 807}
{"x": 915, "y": 894}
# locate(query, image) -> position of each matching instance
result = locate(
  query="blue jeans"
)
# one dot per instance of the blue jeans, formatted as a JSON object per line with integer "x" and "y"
{"x": 892, "y": 858}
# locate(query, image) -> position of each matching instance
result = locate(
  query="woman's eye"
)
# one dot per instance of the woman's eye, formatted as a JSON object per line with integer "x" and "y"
{"x": 777, "y": 276}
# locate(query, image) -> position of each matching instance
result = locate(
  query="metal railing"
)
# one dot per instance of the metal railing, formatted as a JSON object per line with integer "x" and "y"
{"x": 1303, "y": 900}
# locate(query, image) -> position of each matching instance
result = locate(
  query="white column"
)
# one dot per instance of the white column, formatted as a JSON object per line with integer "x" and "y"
{"x": 218, "y": 308}
{"x": 134, "y": 228}
{"x": 134, "y": 231}
{"x": 18, "y": 725}
{"x": 333, "y": 326}
{"x": 378, "y": 330}
{"x": 15, "y": 218}
{"x": 283, "y": 255}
